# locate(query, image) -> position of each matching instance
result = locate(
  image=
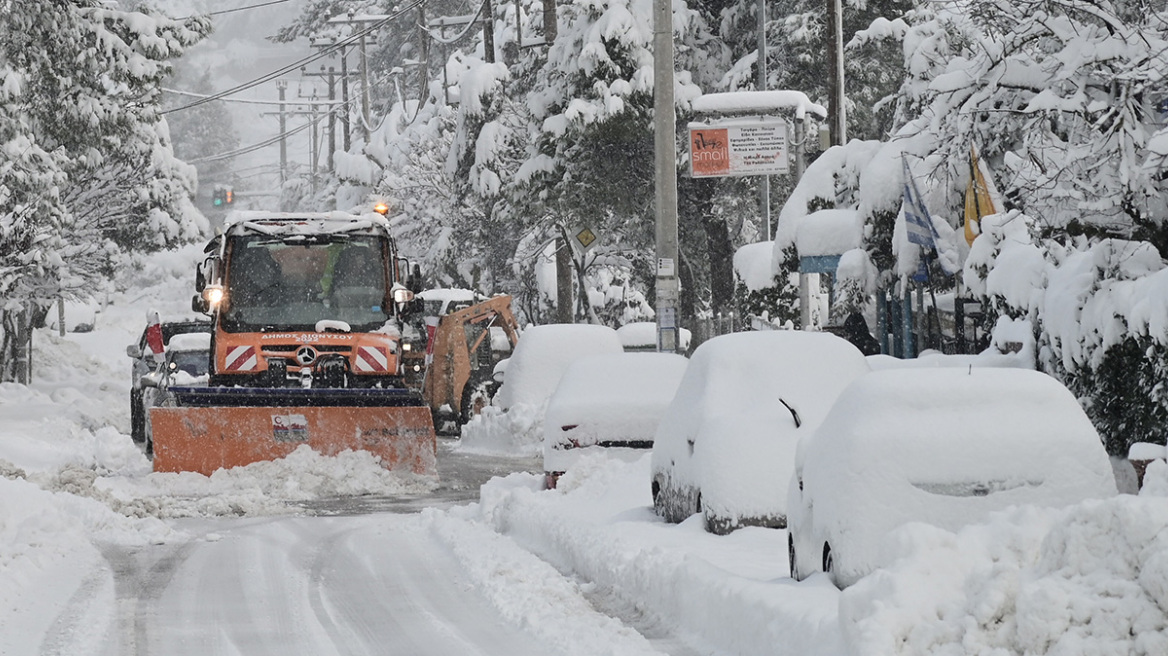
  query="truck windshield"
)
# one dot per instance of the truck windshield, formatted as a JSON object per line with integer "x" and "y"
{"x": 275, "y": 285}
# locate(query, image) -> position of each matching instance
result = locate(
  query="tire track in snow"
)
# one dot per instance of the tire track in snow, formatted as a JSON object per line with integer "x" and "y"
{"x": 87, "y": 619}
{"x": 138, "y": 594}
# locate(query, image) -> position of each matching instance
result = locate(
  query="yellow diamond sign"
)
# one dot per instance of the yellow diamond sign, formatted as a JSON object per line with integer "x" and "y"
{"x": 586, "y": 237}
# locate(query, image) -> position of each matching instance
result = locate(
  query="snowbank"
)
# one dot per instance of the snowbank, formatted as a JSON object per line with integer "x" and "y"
{"x": 1088, "y": 579}
{"x": 1091, "y": 579}
{"x": 725, "y": 595}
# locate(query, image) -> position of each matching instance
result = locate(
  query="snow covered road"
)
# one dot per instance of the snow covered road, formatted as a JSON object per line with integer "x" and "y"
{"x": 376, "y": 584}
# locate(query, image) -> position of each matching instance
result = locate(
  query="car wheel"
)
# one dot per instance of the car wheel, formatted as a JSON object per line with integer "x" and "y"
{"x": 475, "y": 397}
{"x": 137, "y": 417}
{"x": 791, "y": 558}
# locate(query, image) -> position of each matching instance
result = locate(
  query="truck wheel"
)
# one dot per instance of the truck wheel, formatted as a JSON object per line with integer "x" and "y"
{"x": 475, "y": 397}
{"x": 137, "y": 417}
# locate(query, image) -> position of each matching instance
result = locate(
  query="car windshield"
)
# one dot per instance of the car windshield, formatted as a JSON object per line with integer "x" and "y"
{"x": 276, "y": 285}
{"x": 194, "y": 363}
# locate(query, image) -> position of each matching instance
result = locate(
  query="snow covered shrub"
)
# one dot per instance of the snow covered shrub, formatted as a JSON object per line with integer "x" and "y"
{"x": 614, "y": 293}
{"x": 1124, "y": 395}
{"x": 1101, "y": 313}
{"x": 778, "y": 302}
{"x": 854, "y": 283}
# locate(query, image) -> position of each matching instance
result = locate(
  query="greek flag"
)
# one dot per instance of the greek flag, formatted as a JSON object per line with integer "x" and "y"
{"x": 916, "y": 215}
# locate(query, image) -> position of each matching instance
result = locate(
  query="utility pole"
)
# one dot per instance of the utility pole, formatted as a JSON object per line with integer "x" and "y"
{"x": 332, "y": 121}
{"x": 343, "y": 112}
{"x": 550, "y": 27}
{"x": 489, "y": 31}
{"x": 764, "y": 186}
{"x": 345, "y": 130}
{"x": 564, "y": 301}
{"x": 837, "y": 113}
{"x": 330, "y": 76}
{"x": 282, "y": 86}
{"x": 424, "y": 68}
{"x": 362, "y": 23}
{"x": 314, "y": 148}
{"x": 364, "y": 90}
{"x": 665, "y": 158}
{"x": 518, "y": 28}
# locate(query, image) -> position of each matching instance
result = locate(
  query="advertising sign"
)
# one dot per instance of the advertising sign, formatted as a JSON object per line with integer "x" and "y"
{"x": 756, "y": 147}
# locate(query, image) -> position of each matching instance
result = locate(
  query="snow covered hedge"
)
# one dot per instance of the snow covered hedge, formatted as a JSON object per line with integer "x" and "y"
{"x": 1100, "y": 311}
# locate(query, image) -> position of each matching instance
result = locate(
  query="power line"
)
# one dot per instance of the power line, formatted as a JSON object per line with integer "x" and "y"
{"x": 331, "y": 49}
{"x": 231, "y": 11}
{"x": 249, "y": 101}
{"x": 248, "y": 149}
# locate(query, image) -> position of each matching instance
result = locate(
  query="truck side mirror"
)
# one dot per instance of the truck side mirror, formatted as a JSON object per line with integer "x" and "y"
{"x": 200, "y": 304}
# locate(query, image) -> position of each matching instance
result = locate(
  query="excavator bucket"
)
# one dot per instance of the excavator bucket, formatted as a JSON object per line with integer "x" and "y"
{"x": 219, "y": 428}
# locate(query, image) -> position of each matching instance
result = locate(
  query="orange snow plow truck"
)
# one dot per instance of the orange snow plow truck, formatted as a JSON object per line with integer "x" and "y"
{"x": 306, "y": 311}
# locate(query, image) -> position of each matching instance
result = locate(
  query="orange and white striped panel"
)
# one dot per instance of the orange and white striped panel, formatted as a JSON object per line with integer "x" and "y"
{"x": 372, "y": 359}
{"x": 241, "y": 358}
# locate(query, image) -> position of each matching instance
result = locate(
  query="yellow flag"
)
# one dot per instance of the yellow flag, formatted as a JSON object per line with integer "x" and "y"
{"x": 981, "y": 197}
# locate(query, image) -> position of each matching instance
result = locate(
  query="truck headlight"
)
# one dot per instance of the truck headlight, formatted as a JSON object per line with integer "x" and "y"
{"x": 213, "y": 294}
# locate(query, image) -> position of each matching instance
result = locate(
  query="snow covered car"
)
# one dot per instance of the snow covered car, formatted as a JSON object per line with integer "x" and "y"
{"x": 608, "y": 402}
{"x": 642, "y": 336}
{"x": 943, "y": 446}
{"x": 513, "y": 422}
{"x": 726, "y": 446}
{"x": 543, "y": 354}
{"x": 143, "y": 363}
{"x": 188, "y": 358}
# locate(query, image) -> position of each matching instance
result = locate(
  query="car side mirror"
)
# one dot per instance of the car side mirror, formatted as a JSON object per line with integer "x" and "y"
{"x": 134, "y": 351}
{"x": 200, "y": 304}
{"x": 500, "y": 370}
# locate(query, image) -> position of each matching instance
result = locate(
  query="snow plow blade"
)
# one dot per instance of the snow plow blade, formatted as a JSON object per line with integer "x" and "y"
{"x": 219, "y": 428}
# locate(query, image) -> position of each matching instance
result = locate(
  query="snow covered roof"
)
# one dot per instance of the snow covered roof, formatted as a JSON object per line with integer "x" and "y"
{"x": 542, "y": 356}
{"x": 741, "y": 102}
{"x": 447, "y": 294}
{"x": 303, "y": 223}
{"x": 190, "y": 342}
{"x": 643, "y": 334}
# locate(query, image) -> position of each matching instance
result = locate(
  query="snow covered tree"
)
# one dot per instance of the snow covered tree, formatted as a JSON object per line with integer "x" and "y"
{"x": 201, "y": 131}
{"x": 90, "y": 169}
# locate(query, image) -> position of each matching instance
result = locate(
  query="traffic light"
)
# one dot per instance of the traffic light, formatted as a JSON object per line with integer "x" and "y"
{"x": 222, "y": 196}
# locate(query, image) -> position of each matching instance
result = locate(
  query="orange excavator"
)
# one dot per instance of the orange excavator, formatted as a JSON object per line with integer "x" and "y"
{"x": 307, "y": 314}
{"x": 463, "y": 336}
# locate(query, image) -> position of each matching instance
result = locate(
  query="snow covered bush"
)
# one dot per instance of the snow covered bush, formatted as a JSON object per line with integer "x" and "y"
{"x": 1100, "y": 311}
